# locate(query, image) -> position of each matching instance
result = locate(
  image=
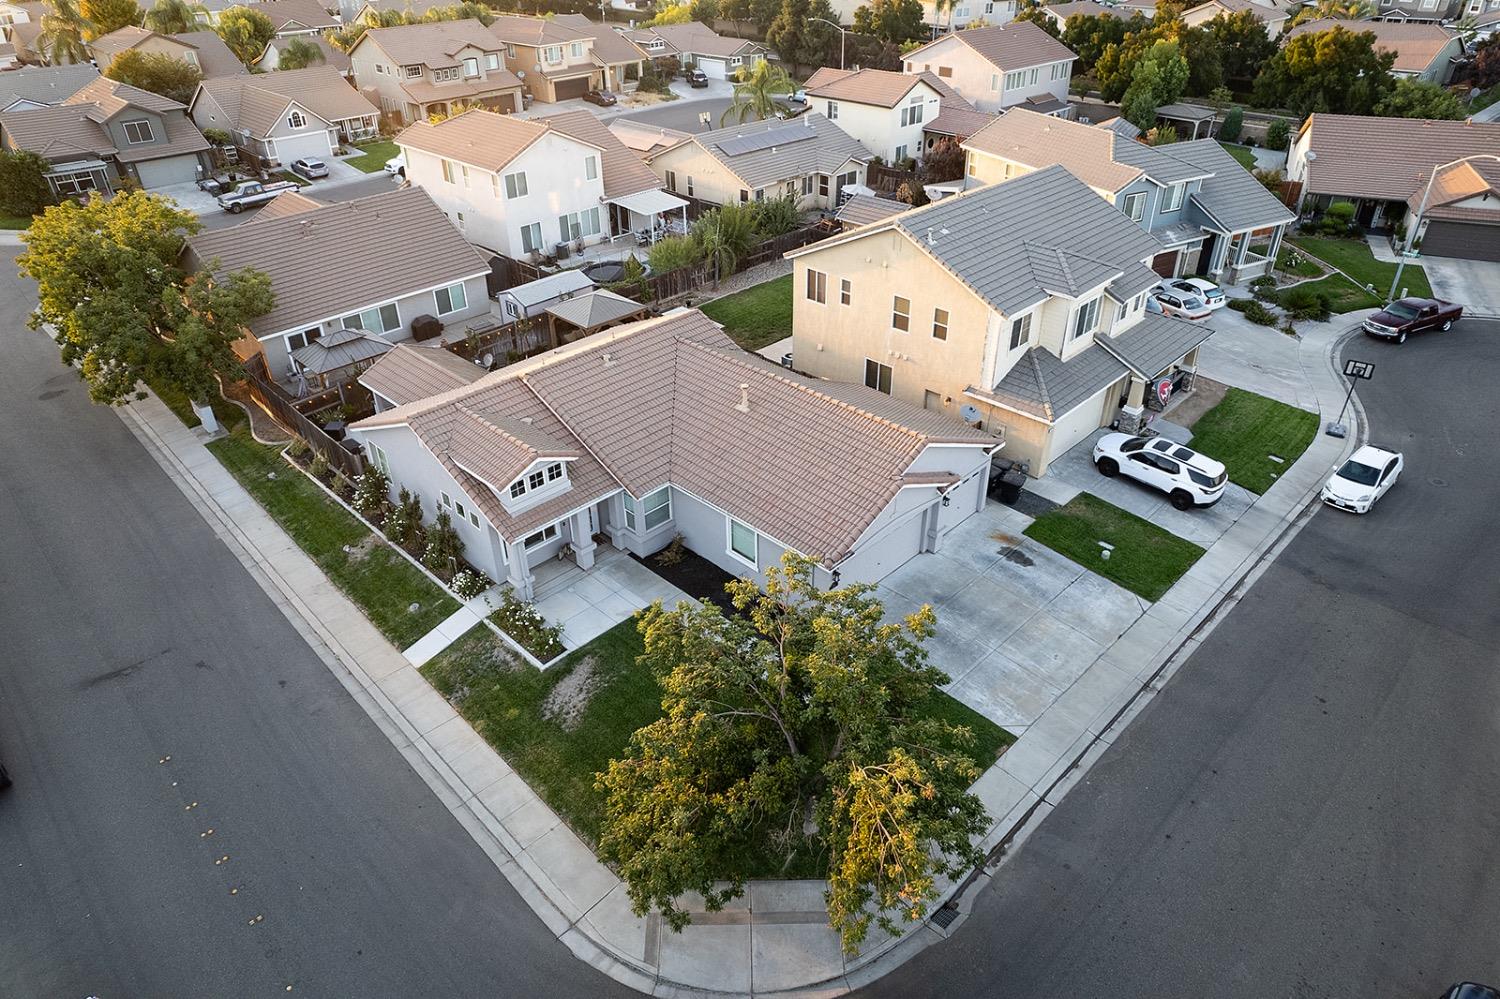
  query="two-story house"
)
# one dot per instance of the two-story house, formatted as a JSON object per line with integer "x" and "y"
{"x": 522, "y": 186}
{"x": 109, "y": 132}
{"x": 202, "y": 49}
{"x": 292, "y": 114}
{"x": 1208, "y": 214}
{"x": 942, "y": 17}
{"x": 1018, "y": 307}
{"x": 414, "y": 70}
{"x": 298, "y": 18}
{"x": 20, "y": 24}
{"x": 1427, "y": 10}
{"x": 554, "y": 60}
{"x": 1273, "y": 15}
{"x": 695, "y": 44}
{"x": 1000, "y": 67}
{"x": 621, "y": 59}
{"x": 810, "y": 160}
{"x": 1424, "y": 50}
{"x": 885, "y": 112}
{"x": 372, "y": 264}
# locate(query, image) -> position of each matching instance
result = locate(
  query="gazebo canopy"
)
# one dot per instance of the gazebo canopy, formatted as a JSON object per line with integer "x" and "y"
{"x": 339, "y": 350}
{"x": 595, "y": 309}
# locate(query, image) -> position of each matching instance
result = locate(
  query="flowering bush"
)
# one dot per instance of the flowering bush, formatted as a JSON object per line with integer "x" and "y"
{"x": 370, "y": 492}
{"x": 444, "y": 547}
{"x": 524, "y": 623}
{"x": 469, "y": 583}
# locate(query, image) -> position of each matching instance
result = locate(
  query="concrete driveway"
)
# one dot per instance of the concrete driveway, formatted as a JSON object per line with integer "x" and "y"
{"x": 1017, "y": 623}
{"x": 1474, "y": 284}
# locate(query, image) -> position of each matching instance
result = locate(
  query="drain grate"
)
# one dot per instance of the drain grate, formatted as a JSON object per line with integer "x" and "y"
{"x": 945, "y": 916}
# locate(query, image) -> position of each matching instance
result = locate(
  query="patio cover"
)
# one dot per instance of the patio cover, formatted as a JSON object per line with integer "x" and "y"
{"x": 339, "y": 350}
{"x": 595, "y": 309}
{"x": 650, "y": 202}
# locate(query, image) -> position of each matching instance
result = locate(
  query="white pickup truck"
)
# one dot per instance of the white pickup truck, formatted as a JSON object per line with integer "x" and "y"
{"x": 249, "y": 193}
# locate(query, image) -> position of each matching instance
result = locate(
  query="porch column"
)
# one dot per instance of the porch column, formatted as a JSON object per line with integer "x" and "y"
{"x": 617, "y": 521}
{"x": 583, "y": 540}
{"x": 1242, "y": 247}
{"x": 1135, "y": 406}
{"x": 519, "y": 575}
{"x": 932, "y": 537}
{"x": 1275, "y": 251}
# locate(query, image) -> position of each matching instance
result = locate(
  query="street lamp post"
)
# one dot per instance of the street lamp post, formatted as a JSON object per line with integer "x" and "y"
{"x": 842, "y": 32}
{"x": 1416, "y": 221}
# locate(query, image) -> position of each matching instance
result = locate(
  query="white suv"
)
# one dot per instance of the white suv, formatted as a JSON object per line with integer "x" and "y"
{"x": 1188, "y": 478}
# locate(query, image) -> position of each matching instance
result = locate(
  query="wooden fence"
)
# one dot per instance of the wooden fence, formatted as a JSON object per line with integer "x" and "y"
{"x": 888, "y": 180}
{"x": 271, "y": 398}
{"x": 508, "y": 343}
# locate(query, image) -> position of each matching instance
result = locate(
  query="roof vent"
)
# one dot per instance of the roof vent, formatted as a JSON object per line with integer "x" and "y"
{"x": 744, "y": 406}
{"x": 527, "y": 420}
{"x": 609, "y": 362}
{"x": 930, "y": 240}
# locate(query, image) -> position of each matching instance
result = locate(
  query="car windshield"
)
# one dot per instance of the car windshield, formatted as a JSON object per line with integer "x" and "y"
{"x": 1193, "y": 302}
{"x": 1133, "y": 445}
{"x": 1358, "y": 471}
{"x": 1401, "y": 311}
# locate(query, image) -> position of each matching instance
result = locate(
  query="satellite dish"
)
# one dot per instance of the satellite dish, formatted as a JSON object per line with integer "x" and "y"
{"x": 1311, "y": 155}
{"x": 970, "y": 413}
{"x": 487, "y": 361}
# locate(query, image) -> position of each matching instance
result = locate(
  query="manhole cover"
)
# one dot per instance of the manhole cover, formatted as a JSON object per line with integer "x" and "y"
{"x": 1437, "y": 481}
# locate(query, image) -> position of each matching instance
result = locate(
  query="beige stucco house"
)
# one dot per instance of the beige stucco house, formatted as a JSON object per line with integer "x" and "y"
{"x": 292, "y": 114}
{"x": 885, "y": 111}
{"x": 554, "y": 61}
{"x": 202, "y": 49}
{"x": 413, "y": 70}
{"x": 1000, "y": 66}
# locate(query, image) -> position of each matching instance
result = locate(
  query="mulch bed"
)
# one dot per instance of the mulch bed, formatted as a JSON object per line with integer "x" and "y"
{"x": 694, "y": 575}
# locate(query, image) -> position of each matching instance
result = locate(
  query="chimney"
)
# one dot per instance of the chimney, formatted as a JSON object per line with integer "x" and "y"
{"x": 744, "y": 406}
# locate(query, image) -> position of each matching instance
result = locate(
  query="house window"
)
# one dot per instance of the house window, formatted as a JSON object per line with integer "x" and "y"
{"x": 378, "y": 456}
{"x": 1087, "y": 319}
{"x": 531, "y": 237}
{"x": 492, "y": 60}
{"x": 552, "y": 53}
{"x": 518, "y": 489}
{"x": 807, "y": 186}
{"x": 817, "y": 286}
{"x": 515, "y": 185}
{"x": 672, "y": 180}
{"x": 459, "y": 508}
{"x": 744, "y": 543}
{"x": 462, "y": 224}
{"x": 1014, "y": 80}
{"x": 995, "y": 81}
{"x": 878, "y": 376}
{"x": 591, "y": 167}
{"x": 689, "y": 189}
{"x": 510, "y": 50}
{"x": 577, "y": 225}
{"x": 448, "y": 172}
{"x": 466, "y": 176}
{"x": 296, "y": 119}
{"x": 541, "y": 537}
{"x": 901, "y": 314}
{"x": 379, "y": 320}
{"x": 1020, "y": 331}
{"x": 900, "y": 153}
{"x": 473, "y": 518}
{"x": 945, "y": 71}
{"x": 822, "y": 185}
{"x": 450, "y": 299}
{"x": 536, "y": 480}
{"x": 846, "y": 291}
{"x": 1174, "y": 198}
{"x": 655, "y": 510}
{"x": 137, "y": 132}
{"x": 940, "y": 324}
{"x": 1135, "y": 205}
{"x": 412, "y": 72}
{"x": 554, "y": 471}
{"x": 471, "y": 68}
{"x": 744, "y": 196}
{"x": 831, "y": 111}
{"x": 912, "y": 113}
{"x": 1059, "y": 70}
{"x": 1033, "y": 76}
{"x": 577, "y": 50}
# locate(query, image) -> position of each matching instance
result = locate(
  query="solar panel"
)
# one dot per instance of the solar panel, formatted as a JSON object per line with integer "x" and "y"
{"x": 782, "y": 135}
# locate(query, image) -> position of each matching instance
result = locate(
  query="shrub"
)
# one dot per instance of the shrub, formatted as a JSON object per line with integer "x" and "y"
{"x": 1254, "y": 311}
{"x": 297, "y": 449}
{"x": 469, "y": 583}
{"x": 444, "y": 547}
{"x": 1338, "y": 220}
{"x": 675, "y": 551}
{"x": 524, "y": 623}
{"x": 371, "y": 494}
{"x": 776, "y": 216}
{"x": 319, "y": 468}
{"x": 403, "y": 525}
{"x": 1263, "y": 288}
{"x": 1306, "y": 303}
{"x": 1234, "y": 123}
{"x": 1278, "y": 134}
{"x": 673, "y": 253}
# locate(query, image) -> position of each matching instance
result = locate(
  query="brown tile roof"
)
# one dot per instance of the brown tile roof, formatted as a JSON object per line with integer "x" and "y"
{"x": 493, "y": 84}
{"x": 1086, "y": 8}
{"x": 644, "y": 138}
{"x": 214, "y": 57}
{"x": 411, "y": 372}
{"x": 257, "y": 102}
{"x": 808, "y": 463}
{"x": 112, "y": 97}
{"x": 1417, "y": 46}
{"x": 61, "y": 133}
{"x": 624, "y": 171}
{"x": 1409, "y": 149}
{"x": 880, "y": 87}
{"x": 1008, "y": 46}
{"x": 331, "y": 56}
{"x": 1268, "y": 13}
{"x": 610, "y": 47}
{"x": 107, "y": 46}
{"x": 521, "y": 30}
{"x": 337, "y": 259}
{"x": 491, "y": 446}
{"x": 958, "y": 122}
{"x": 480, "y": 138}
{"x": 1474, "y": 179}
{"x": 292, "y": 13}
{"x": 290, "y": 203}
{"x": 433, "y": 43}
{"x": 697, "y": 37}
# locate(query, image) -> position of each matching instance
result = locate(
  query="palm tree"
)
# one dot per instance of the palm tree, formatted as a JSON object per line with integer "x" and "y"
{"x": 724, "y": 236}
{"x": 173, "y": 17}
{"x": 299, "y": 53}
{"x": 755, "y": 93}
{"x": 62, "y": 31}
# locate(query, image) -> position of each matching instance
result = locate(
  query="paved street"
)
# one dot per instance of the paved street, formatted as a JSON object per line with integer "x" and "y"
{"x": 200, "y": 809}
{"x": 1305, "y": 810}
{"x": 375, "y": 183}
{"x": 683, "y": 115}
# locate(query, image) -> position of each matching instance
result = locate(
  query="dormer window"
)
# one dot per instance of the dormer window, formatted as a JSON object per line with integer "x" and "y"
{"x": 471, "y": 67}
{"x": 296, "y": 119}
{"x": 138, "y": 132}
{"x": 533, "y": 481}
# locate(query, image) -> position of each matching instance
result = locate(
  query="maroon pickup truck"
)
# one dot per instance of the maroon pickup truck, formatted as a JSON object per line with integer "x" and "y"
{"x": 1406, "y": 316}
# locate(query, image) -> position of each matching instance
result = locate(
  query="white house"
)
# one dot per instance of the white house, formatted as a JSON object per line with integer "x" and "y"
{"x": 886, "y": 112}
{"x": 288, "y": 115}
{"x": 695, "y": 44}
{"x": 999, "y": 67}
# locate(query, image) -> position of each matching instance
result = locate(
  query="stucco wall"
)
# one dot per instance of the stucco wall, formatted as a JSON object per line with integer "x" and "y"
{"x": 975, "y": 77}
{"x": 879, "y": 129}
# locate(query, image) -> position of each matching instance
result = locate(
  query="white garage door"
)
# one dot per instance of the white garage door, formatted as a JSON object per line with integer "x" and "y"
{"x": 1082, "y": 421}
{"x": 314, "y": 145}
{"x": 164, "y": 173}
{"x": 883, "y": 554}
{"x": 714, "y": 69}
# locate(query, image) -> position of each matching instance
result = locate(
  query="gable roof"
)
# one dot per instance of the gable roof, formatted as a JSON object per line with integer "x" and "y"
{"x": 337, "y": 259}
{"x": 1269, "y": 13}
{"x": 44, "y": 84}
{"x": 880, "y": 87}
{"x": 1086, "y": 8}
{"x": 76, "y": 128}
{"x": 1475, "y": 178}
{"x": 610, "y": 46}
{"x": 61, "y": 133}
{"x": 214, "y": 57}
{"x": 1417, "y": 45}
{"x": 764, "y": 152}
{"x": 477, "y": 137}
{"x": 332, "y": 56}
{"x": 432, "y": 43}
{"x": 699, "y": 39}
{"x": 293, "y": 14}
{"x": 960, "y": 123}
{"x": 1007, "y": 46}
{"x": 257, "y": 102}
{"x": 643, "y": 138}
{"x": 624, "y": 171}
{"x": 112, "y": 97}
{"x": 1409, "y": 149}
{"x": 1231, "y": 196}
{"x": 862, "y": 209}
{"x": 534, "y": 31}
{"x": 412, "y": 372}
{"x": 660, "y": 401}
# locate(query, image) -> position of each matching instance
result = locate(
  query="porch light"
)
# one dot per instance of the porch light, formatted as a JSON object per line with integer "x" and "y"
{"x": 835, "y": 579}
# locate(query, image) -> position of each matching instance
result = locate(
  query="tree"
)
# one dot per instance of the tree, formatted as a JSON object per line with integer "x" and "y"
{"x": 1115, "y": 70}
{"x": 1420, "y": 99}
{"x": 123, "y": 312}
{"x": 872, "y": 53}
{"x": 1337, "y": 10}
{"x": 1243, "y": 44}
{"x": 677, "y": 13}
{"x": 893, "y": 21}
{"x": 246, "y": 31}
{"x": 944, "y": 161}
{"x": 724, "y": 237}
{"x": 173, "y": 17}
{"x": 755, "y": 93}
{"x": 1234, "y": 123}
{"x": 1036, "y": 13}
{"x": 23, "y": 182}
{"x": 105, "y": 16}
{"x": 1158, "y": 77}
{"x": 1162, "y": 135}
{"x": 63, "y": 29}
{"x": 299, "y": 53}
{"x": 706, "y": 11}
{"x": 800, "y": 40}
{"x": 1204, "y": 61}
{"x": 1336, "y": 70}
{"x": 1089, "y": 36}
{"x": 801, "y": 721}
{"x": 1486, "y": 69}
{"x": 173, "y": 78}
{"x": 1278, "y": 134}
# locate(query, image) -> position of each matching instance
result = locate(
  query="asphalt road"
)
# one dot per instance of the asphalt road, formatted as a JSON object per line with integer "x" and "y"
{"x": 1308, "y": 808}
{"x": 375, "y": 183}
{"x": 199, "y": 807}
{"x": 683, "y": 115}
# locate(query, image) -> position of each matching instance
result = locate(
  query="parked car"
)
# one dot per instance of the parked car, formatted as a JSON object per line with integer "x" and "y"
{"x": 695, "y": 77}
{"x": 1367, "y": 475}
{"x": 1471, "y": 990}
{"x": 1406, "y": 316}
{"x": 396, "y": 165}
{"x": 1212, "y": 294}
{"x": 249, "y": 193}
{"x": 1180, "y": 304}
{"x": 603, "y": 98}
{"x": 800, "y": 97}
{"x": 311, "y": 169}
{"x": 1188, "y": 478}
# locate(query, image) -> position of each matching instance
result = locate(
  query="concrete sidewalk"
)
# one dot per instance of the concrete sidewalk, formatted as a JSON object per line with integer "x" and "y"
{"x": 776, "y": 938}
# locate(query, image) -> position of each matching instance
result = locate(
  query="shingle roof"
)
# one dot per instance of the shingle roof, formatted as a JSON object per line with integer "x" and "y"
{"x": 340, "y": 258}
{"x": 257, "y": 102}
{"x": 610, "y": 47}
{"x": 862, "y": 209}
{"x": 958, "y": 122}
{"x": 1417, "y": 45}
{"x": 660, "y": 401}
{"x": 1100, "y": 157}
{"x": 292, "y": 13}
{"x": 1043, "y": 386}
{"x": 339, "y": 350}
{"x": 1007, "y": 46}
{"x": 778, "y": 150}
{"x": 44, "y": 84}
{"x": 1409, "y": 149}
{"x": 1155, "y": 343}
{"x": 433, "y": 43}
{"x": 411, "y": 372}
{"x": 1232, "y": 196}
{"x": 595, "y": 308}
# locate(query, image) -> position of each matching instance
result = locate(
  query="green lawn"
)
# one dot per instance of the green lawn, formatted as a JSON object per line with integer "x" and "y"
{"x": 1244, "y": 154}
{"x": 1343, "y": 294}
{"x": 229, "y": 415}
{"x": 1353, "y": 257}
{"x": 1245, "y": 428}
{"x": 373, "y": 156}
{"x": 756, "y": 316}
{"x": 503, "y": 699}
{"x": 15, "y": 221}
{"x": 1305, "y": 266}
{"x": 377, "y": 579}
{"x": 1146, "y": 560}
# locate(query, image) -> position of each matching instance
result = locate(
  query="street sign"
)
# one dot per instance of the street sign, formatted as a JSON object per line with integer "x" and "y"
{"x": 1164, "y": 390}
{"x": 1359, "y": 369}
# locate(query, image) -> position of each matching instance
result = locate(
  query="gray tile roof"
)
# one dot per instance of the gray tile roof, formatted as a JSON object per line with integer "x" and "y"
{"x": 1179, "y": 234}
{"x": 1232, "y": 196}
{"x": 339, "y": 350}
{"x": 595, "y": 308}
{"x": 1048, "y": 388}
{"x": 44, "y": 84}
{"x": 1155, "y": 343}
{"x": 811, "y": 144}
{"x": 862, "y": 209}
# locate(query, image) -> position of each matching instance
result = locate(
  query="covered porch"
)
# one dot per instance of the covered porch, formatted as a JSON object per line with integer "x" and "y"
{"x": 1237, "y": 257}
{"x": 352, "y": 130}
{"x": 648, "y": 216}
{"x": 80, "y": 177}
{"x": 1161, "y": 354}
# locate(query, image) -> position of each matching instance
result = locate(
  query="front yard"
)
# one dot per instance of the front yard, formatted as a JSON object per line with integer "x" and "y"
{"x": 373, "y": 156}
{"x": 15, "y": 221}
{"x": 1145, "y": 559}
{"x": 757, "y": 316}
{"x": 1353, "y": 257}
{"x": 1343, "y": 295}
{"x": 1244, "y": 430}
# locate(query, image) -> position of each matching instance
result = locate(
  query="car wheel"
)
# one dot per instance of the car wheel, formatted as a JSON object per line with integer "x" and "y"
{"x": 1182, "y": 499}
{"x": 1108, "y": 467}
{"x": 1401, "y": 337}
{"x": 236, "y": 209}
{"x": 1447, "y": 325}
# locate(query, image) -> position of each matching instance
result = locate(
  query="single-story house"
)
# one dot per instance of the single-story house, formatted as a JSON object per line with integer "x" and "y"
{"x": 1330, "y": 158}
{"x": 43, "y": 86}
{"x": 373, "y": 264}
{"x": 534, "y": 298}
{"x": 1273, "y": 15}
{"x": 292, "y": 114}
{"x": 695, "y": 44}
{"x": 663, "y": 429}
{"x": 1000, "y": 66}
{"x": 1059, "y": 13}
{"x": 1424, "y": 51}
{"x": 108, "y": 132}
{"x": 202, "y": 49}
{"x": 643, "y": 138}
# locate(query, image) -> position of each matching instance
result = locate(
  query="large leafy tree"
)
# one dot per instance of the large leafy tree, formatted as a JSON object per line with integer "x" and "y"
{"x": 1486, "y": 68}
{"x": 800, "y": 40}
{"x": 1337, "y": 70}
{"x": 1036, "y": 13}
{"x": 872, "y": 53}
{"x": 105, "y": 16}
{"x": 299, "y": 53}
{"x": 111, "y": 289}
{"x": 1204, "y": 61}
{"x": 23, "y": 182}
{"x": 157, "y": 72}
{"x": 1158, "y": 77}
{"x": 1089, "y": 36}
{"x": 246, "y": 31}
{"x": 1341, "y": 10}
{"x": 1420, "y": 99}
{"x": 1243, "y": 44}
{"x": 893, "y": 21}
{"x": 173, "y": 17}
{"x": 63, "y": 33}
{"x": 800, "y": 719}
{"x": 755, "y": 93}
{"x": 677, "y": 13}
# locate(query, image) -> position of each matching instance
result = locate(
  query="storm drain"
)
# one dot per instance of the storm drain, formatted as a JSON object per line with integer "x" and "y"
{"x": 945, "y": 916}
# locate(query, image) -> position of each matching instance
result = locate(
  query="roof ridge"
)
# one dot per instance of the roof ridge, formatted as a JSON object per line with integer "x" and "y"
{"x": 492, "y": 425}
{"x": 1041, "y": 382}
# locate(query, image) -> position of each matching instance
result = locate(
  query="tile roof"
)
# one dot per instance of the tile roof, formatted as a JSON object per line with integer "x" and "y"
{"x": 1120, "y": 126}
{"x": 59, "y": 134}
{"x": 214, "y": 57}
{"x": 182, "y": 138}
{"x": 1232, "y": 196}
{"x": 489, "y": 445}
{"x": 108, "y": 45}
{"x": 644, "y": 138}
{"x": 624, "y": 171}
{"x": 1409, "y": 149}
{"x": 610, "y": 46}
{"x": 432, "y": 43}
{"x": 1473, "y": 179}
{"x": 1417, "y": 45}
{"x": 289, "y": 203}
{"x": 1155, "y": 343}
{"x": 1100, "y": 157}
{"x": 879, "y": 87}
{"x": 862, "y": 209}
{"x": 477, "y": 137}
{"x": 1007, "y": 46}
{"x": 595, "y": 308}
{"x": 1086, "y": 8}
{"x": 112, "y": 97}
{"x": 495, "y": 82}
{"x": 699, "y": 38}
{"x": 412, "y": 372}
{"x": 779, "y": 150}
{"x": 524, "y": 30}
{"x": 1048, "y": 388}
{"x": 44, "y": 84}
{"x": 958, "y": 122}
{"x": 1267, "y": 13}
{"x": 257, "y": 102}
{"x": 338, "y": 259}
{"x": 336, "y": 58}
{"x": 295, "y": 13}
{"x": 661, "y": 401}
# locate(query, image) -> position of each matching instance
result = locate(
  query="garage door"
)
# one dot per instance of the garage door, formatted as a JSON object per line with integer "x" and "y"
{"x": 1082, "y": 421}
{"x": 883, "y": 554}
{"x": 1165, "y": 264}
{"x": 1467, "y": 240}
{"x": 172, "y": 170}
{"x": 297, "y": 147}
{"x": 567, "y": 89}
{"x": 714, "y": 69}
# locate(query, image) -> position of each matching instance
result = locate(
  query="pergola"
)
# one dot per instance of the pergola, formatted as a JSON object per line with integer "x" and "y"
{"x": 338, "y": 357}
{"x": 589, "y": 313}
{"x": 1191, "y": 115}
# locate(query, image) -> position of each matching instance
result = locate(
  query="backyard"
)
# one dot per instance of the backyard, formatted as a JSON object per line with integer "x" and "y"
{"x": 757, "y": 316}
{"x": 1243, "y": 154}
{"x": 1245, "y": 430}
{"x": 373, "y": 156}
{"x": 1146, "y": 560}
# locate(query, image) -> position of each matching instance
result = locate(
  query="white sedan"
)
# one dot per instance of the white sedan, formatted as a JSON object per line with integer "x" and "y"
{"x": 1366, "y": 476}
{"x": 1212, "y": 294}
{"x": 396, "y": 165}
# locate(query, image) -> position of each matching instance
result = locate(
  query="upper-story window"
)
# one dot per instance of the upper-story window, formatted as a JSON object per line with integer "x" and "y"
{"x": 552, "y": 53}
{"x": 940, "y": 324}
{"x": 817, "y": 286}
{"x": 471, "y": 68}
{"x": 831, "y": 112}
{"x": 445, "y": 75}
{"x": 577, "y": 50}
{"x": 510, "y": 51}
{"x": 450, "y": 171}
{"x": 536, "y": 480}
{"x": 1014, "y": 80}
{"x": 995, "y": 81}
{"x": 412, "y": 72}
{"x": 1086, "y": 320}
{"x": 912, "y": 113}
{"x": 591, "y": 167}
{"x": 515, "y": 185}
{"x": 1135, "y": 205}
{"x": 137, "y": 132}
{"x": 1173, "y": 198}
{"x": 296, "y": 119}
{"x": 1059, "y": 70}
{"x": 1020, "y": 331}
{"x": 901, "y": 314}
{"x": 492, "y": 60}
